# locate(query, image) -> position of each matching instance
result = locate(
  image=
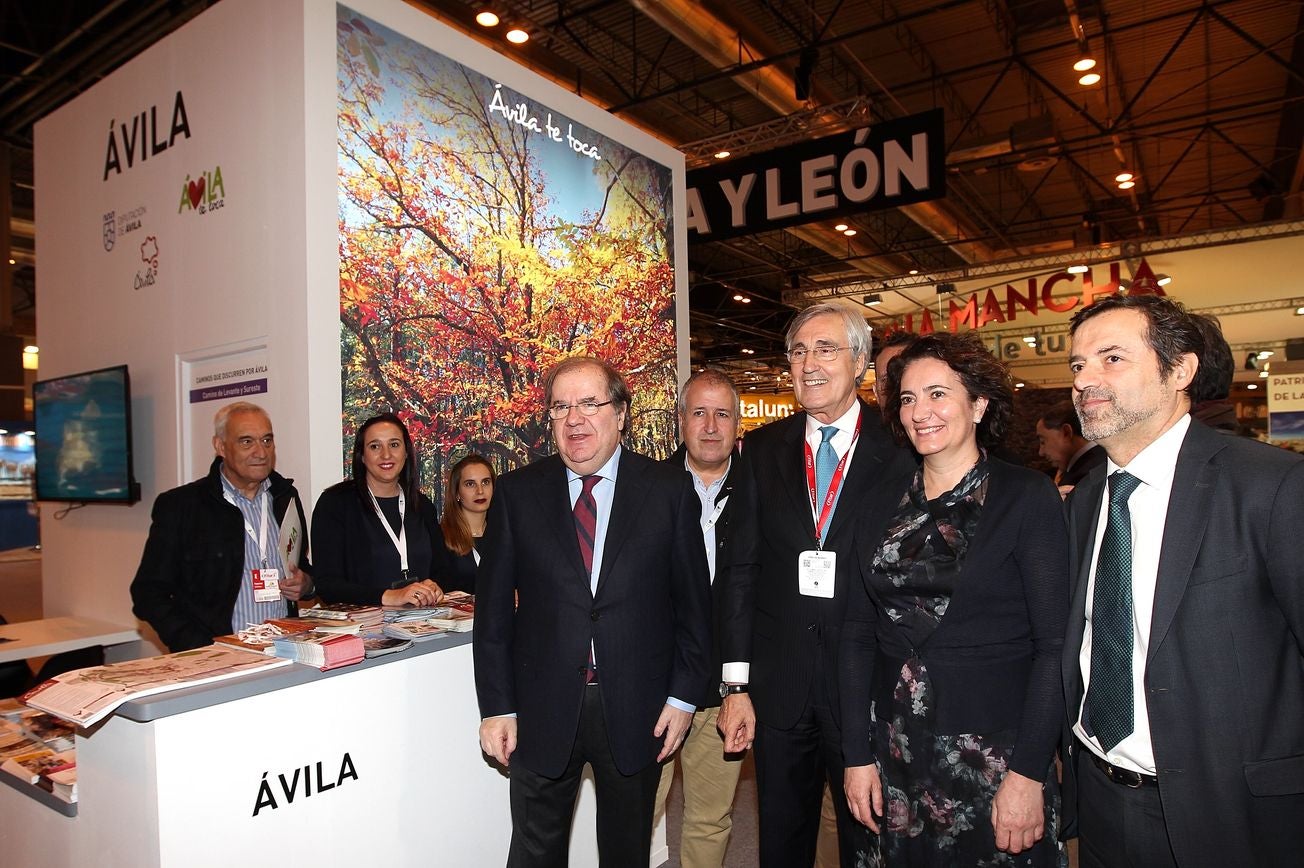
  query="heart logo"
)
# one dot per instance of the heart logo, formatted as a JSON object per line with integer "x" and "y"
{"x": 196, "y": 192}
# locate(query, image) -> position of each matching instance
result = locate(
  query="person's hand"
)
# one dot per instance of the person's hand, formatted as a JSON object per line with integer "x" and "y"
{"x": 864, "y": 792}
{"x": 498, "y": 738}
{"x": 296, "y": 584}
{"x": 1018, "y": 813}
{"x": 423, "y": 593}
{"x": 673, "y": 724}
{"x": 737, "y": 722}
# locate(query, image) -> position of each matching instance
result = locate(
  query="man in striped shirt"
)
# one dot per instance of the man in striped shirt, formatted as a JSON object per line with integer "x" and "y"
{"x": 214, "y": 561}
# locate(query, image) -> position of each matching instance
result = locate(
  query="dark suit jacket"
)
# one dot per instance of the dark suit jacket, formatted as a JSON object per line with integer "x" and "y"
{"x": 190, "y": 572}
{"x": 711, "y": 698}
{"x": 764, "y": 618}
{"x": 1087, "y": 462}
{"x": 1224, "y": 674}
{"x": 994, "y": 660}
{"x": 649, "y": 621}
{"x": 342, "y": 546}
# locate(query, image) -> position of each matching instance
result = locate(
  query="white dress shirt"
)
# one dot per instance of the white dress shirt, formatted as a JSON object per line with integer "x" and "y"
{"x": 1148, "y": 507}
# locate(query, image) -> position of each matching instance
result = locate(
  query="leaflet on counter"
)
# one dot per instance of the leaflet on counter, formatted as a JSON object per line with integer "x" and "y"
{"x": 84, "y": 696}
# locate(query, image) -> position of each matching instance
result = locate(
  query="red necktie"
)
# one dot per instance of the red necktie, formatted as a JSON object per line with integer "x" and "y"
{"x": 586, "y": 531}
{"x": 586, "y": 521}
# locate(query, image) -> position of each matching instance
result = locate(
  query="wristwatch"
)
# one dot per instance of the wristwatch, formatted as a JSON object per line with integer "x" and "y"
{"x": 726, "y": 689}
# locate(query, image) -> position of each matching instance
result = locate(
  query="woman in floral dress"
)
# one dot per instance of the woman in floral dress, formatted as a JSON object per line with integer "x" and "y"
{"x": 951, "y": 647}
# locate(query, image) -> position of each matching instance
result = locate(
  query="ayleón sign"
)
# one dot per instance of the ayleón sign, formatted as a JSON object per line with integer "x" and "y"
{"x": 889, "y": 164}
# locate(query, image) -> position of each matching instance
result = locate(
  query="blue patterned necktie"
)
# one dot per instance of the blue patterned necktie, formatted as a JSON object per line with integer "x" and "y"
{"x": 1109, "y": 695}
{"x": 826, "y": 461}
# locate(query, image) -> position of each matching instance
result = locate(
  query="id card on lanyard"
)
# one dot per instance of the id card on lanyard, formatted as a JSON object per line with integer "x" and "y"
{"x": 398, "y": 539}
{"x": 816, "y": 569}
{"x": 266, "y": 580}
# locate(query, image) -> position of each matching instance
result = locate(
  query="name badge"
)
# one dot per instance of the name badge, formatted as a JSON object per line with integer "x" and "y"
{"x": 267, "y": 585}
{"x": 815, "y": 571}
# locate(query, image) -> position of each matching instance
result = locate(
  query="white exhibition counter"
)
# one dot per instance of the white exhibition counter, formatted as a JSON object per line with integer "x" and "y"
{"x": 373, "y": 764}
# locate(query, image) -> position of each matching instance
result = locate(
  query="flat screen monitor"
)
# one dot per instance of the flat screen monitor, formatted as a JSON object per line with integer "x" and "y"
{"x": 83, "y": 438}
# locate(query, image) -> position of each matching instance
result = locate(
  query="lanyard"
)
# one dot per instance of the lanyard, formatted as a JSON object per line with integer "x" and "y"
{"x": 261, "y": 539}
{"x": 835, "y": 484}
{"x": 400, "y": 539}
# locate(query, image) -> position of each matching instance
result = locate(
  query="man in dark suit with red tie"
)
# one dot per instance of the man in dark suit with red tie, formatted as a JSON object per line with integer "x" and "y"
{"x": 592, "y": 636}
{"x": 1183, "y": 671}
{"x": 806, "y": 486}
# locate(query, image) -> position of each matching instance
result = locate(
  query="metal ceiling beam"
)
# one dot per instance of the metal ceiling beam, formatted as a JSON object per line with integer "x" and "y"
{"x": 718, "y": 43}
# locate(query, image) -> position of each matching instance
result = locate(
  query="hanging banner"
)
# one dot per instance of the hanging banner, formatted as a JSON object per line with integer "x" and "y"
{"x": 893, "y": 163}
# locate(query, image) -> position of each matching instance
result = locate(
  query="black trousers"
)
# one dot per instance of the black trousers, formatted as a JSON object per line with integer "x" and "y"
{"x": 542, "y": 807}
{"x": 1118, "y": 827}
{"x": 792, "y": 766}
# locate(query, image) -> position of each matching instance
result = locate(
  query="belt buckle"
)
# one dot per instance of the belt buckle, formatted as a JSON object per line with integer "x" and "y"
{"x": 1125, "y": 777}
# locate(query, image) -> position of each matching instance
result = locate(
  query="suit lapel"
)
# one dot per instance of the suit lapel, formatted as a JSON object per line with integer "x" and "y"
{"x": 631, "y": 483}
{"x": 1189, "y": 506}
{"x": 1085, "y": 516}
{"x": 865, "y": 468}
{"x": 558, "y": 516}
{"x": 792, "y": 471}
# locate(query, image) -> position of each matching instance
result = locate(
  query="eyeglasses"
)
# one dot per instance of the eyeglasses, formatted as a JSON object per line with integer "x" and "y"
{"x": 586, "y": 408}
{"x": 824, "y": 354}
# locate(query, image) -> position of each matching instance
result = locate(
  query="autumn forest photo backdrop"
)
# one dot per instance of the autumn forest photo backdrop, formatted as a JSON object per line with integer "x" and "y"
{"x": 483, "y": 237}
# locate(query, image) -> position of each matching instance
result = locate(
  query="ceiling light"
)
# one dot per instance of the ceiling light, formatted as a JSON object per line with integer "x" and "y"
{"x": 518, "y": 36}
{"x": 1163, "y": 279}
{"x": 1077, "y": 269}
{"x": 720, "y": 155}
{"x": 841, "y": 227}
{"x": 486, "y": 18}
{"x": 1126, "y": 185}
{"x": 1030, "y": 340}
{"x": 738, "y": 296}
{"x": 1018, "y": 385}
{"x": 914, "y": 271}
{"x": 872, "y": 299}
{"x": 13, "y": 262}
{"x": 1083, "y": 63}
{"x": 1265, "y": 354}
{"x": 1263, "y": 374}
{"x": 751, "y": 388}
{"x": 1089, "y": 79}
{"x": 745, "y": 300}
{"x": 4, "y": 430}
{"x": 849, "y": 232}
{"x": 1124, "y": 176}
{"x": 1251, "y": 385}
{"x": 31, "y": 348}
{"x": 748, "y": 351}
{"x": 1299, "y": 311}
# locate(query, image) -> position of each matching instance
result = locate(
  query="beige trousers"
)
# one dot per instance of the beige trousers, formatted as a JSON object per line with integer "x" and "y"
{"x": 709, "y": 784}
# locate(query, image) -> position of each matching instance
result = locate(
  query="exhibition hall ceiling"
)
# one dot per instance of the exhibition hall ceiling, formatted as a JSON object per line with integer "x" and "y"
{"x": 1201, "y": 102}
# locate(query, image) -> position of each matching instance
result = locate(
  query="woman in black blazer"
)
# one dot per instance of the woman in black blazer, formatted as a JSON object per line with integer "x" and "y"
{"x": 380, "y": 543}
{"x": 950, "y": 651}
{"x": 467, "y": 496}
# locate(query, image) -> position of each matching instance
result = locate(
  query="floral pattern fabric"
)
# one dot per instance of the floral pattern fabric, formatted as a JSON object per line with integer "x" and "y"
{"x": 938, "y": 787}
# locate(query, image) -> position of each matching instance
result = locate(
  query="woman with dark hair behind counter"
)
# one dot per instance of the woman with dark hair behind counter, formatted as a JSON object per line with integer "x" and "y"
{"x": 379, "y": 541}
{"x": 467, "y": 495}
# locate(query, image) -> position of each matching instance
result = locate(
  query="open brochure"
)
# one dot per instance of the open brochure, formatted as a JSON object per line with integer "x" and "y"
{"x": 85, "y": 696}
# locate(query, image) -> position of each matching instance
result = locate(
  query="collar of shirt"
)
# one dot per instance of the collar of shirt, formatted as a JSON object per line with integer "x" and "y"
{"x": 846, "y": 425}
{"x": 702, "y": 488}
{"x": 606, "y": 471}
{"x": 1155, "y": 464}
{"x": 232, "y": 491}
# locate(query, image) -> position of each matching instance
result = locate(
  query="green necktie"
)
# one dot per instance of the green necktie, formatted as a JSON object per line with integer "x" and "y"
{"x": 1109, "y": 696}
